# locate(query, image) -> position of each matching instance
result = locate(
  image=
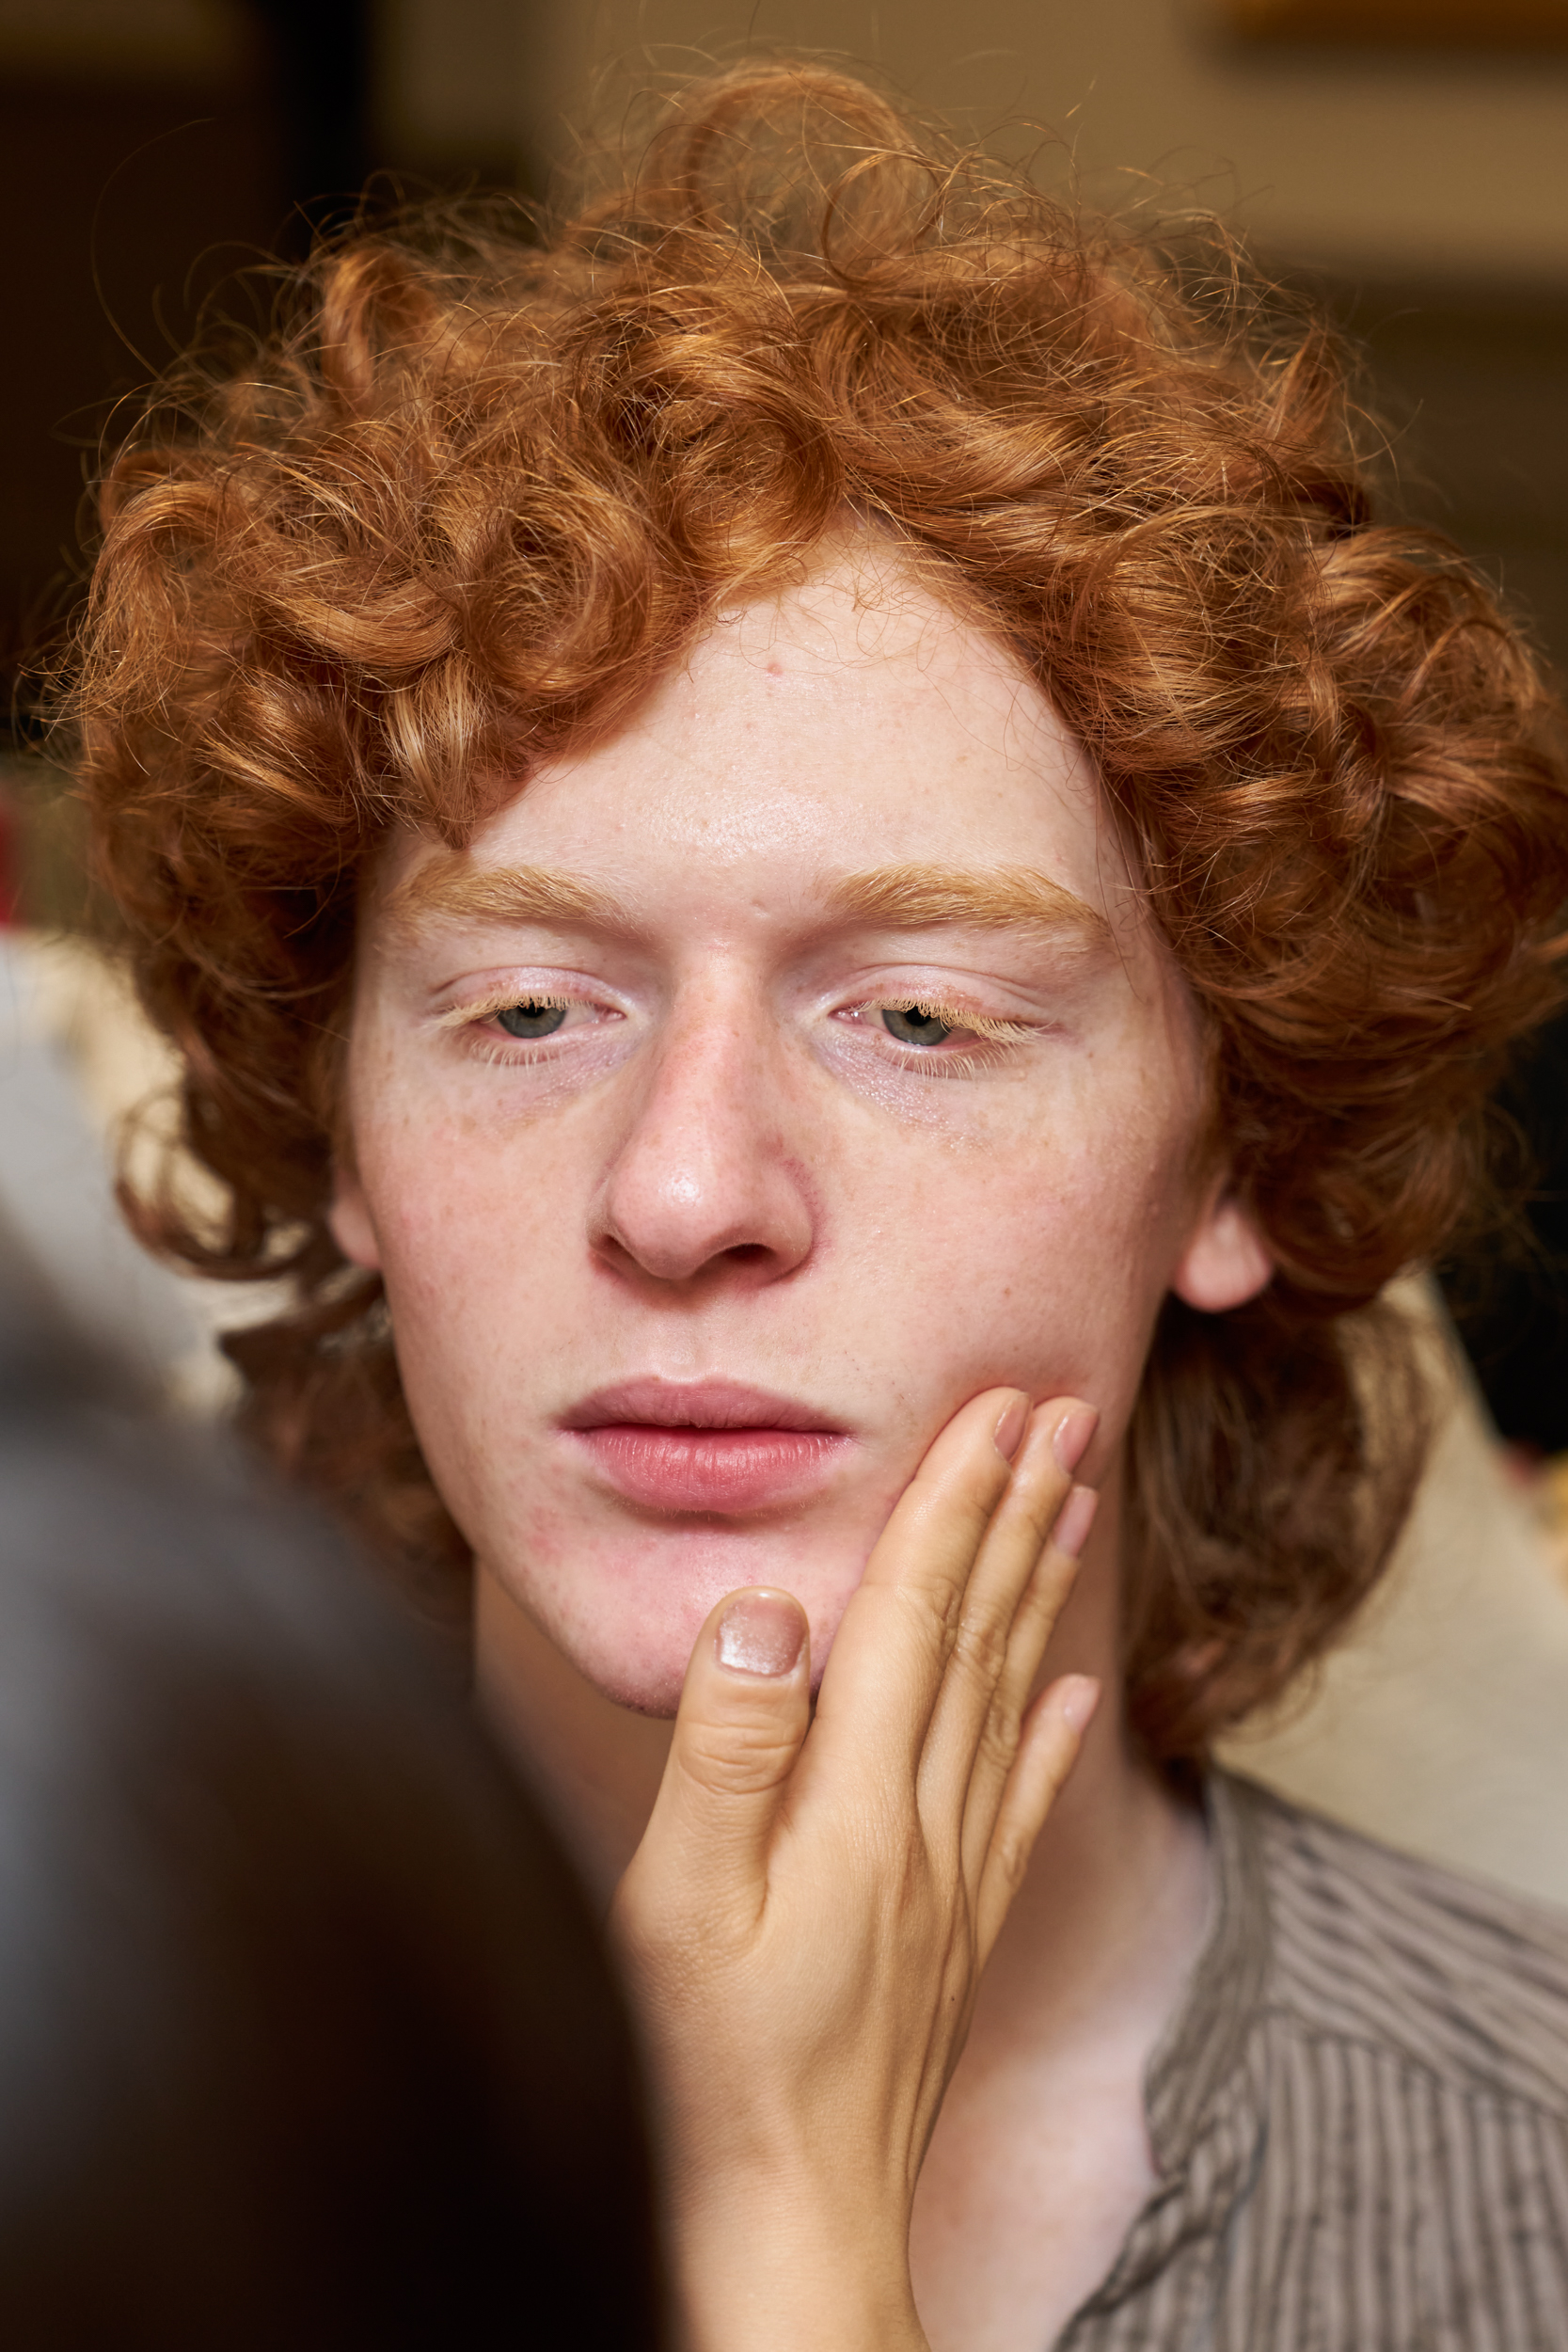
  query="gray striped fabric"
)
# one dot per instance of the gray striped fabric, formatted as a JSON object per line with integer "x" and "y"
{"x": 1359, "y": 2118}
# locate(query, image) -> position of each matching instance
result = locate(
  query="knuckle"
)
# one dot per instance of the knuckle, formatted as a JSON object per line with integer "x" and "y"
{"x": 737, "y": 1758}
{"x": 1001, "y": 1734}
{"x": 1037, "y": 1495}
{"x": 938, "y": 1615}
{"x": 981, "y": 1647}
{"x": 1010, "y": 1860}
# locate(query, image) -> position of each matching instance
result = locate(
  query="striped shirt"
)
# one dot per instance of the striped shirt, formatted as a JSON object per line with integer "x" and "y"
{"x": 1359, "y": 2116}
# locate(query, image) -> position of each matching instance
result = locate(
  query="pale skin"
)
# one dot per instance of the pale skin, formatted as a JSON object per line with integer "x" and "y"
{"x": 844, "y": 1064}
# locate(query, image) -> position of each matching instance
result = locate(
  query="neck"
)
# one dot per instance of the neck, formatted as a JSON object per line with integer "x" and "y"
{"x": 1113, "y": 1907}
{"x": 594, "y": 1767}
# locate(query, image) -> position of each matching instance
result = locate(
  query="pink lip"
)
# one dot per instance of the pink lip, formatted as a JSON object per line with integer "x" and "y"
{"x": 707, "y": 1446}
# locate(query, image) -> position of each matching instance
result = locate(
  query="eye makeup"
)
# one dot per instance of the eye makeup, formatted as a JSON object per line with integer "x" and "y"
{"x": 506, "y": 1000}
{"x": 957, "y": 1018}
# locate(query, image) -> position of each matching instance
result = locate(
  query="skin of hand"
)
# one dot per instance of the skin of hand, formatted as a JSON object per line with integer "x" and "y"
{"x": 807, "y": 1918}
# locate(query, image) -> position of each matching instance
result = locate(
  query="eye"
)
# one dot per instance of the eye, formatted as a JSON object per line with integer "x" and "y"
{"x": 915, "y": 1025}
{"x": 533, "y": 1017}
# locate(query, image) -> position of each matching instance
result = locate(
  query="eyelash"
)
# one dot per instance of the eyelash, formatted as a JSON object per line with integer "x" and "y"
{"x": 931, "y": 1061}
{"x": 982, "y": 1025}
{"x": 506, "y": 1052}
{"x": 925, "y": 1062}
{"x": 486, "y": 1008}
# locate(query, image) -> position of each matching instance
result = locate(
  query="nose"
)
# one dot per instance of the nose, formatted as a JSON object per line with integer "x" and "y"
{"x": 704, "y": 1178}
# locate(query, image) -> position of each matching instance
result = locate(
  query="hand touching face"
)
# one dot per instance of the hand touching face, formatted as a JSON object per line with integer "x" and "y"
{"x": 761, "y": 1085}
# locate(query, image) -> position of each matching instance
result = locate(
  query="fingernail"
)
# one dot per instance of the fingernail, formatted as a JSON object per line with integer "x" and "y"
{"x": 1073, "y": 1432}
{"x": 1074, "y": 1520}
{"x": 1080, "y": 1697}
{"x": 761, "y": 1634}
{"x": 1010, "y": 1428}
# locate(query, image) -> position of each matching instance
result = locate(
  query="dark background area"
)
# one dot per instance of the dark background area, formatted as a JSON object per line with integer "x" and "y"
{"x": 140, "y": 183}
{"x": 138, "y": 188}
{"x": 1473, "y": 383}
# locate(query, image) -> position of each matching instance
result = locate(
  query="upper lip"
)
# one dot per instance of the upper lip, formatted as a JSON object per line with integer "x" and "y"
{"x": 695, "y": 1405}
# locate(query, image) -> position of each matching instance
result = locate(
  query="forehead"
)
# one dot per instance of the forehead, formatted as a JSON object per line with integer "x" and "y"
{"x": 855, "y": 722}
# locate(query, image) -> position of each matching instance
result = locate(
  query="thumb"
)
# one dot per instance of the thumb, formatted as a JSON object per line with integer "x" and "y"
{"x": 744, "y": 1714}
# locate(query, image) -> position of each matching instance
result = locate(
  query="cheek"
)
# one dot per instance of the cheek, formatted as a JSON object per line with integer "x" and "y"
{"x": 478, "y": 1278}
{"x": 461, "y": 1209}
{"x": 1054, "y": 1256}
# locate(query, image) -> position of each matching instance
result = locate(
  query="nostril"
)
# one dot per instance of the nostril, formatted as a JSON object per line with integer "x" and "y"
{"x": 680, "y": 1202}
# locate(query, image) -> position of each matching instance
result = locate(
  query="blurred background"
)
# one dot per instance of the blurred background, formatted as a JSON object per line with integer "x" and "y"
{"x": 1407, "y": 160}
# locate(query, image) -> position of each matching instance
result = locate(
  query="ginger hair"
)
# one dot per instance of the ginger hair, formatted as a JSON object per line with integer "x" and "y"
{"x": 480, "y": 488}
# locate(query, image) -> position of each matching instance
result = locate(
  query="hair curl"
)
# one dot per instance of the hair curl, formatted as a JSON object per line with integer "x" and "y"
{"x": 478, "y": 491}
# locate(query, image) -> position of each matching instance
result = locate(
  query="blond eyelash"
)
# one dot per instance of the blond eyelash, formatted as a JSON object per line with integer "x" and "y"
{"x": 485, "y": 1008}
{"x": 522, "y": 1054}
{"x": 954, "y": 1017}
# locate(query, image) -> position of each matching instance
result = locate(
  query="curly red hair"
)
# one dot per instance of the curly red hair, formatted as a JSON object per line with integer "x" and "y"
{"x": 478, "y": 492}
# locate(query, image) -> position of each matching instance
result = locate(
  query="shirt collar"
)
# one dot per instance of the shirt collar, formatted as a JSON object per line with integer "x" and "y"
{"x": 1204, "y": 2045}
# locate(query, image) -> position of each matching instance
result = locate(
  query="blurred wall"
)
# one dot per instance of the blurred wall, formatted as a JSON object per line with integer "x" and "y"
{"x": 1396, "y": 161}
{"x": 449, "y": 83}
{"x": 133, "y": 140}
{"x": 150, "y": 151}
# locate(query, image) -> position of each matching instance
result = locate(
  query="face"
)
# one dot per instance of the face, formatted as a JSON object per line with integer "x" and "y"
{"x": 758, "y": 1086}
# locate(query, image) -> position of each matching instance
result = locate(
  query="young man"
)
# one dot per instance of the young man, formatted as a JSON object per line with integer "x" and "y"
{"x": 814, "y": 800}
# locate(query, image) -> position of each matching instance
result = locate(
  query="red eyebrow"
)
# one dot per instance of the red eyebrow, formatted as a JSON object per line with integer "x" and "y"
{"x": 996, "y": 898}
{"x": 509, "y": 894}
{"x": 894, "y": 898}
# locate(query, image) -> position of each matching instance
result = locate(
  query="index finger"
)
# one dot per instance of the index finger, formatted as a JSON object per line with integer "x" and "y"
{"x": 891, "y": 1651}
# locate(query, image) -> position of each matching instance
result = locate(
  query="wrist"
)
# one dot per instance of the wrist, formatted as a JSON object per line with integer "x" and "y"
{"x": 773, "y": 2272}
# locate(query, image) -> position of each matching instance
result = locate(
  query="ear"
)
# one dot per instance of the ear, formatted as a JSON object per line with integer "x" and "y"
{"x": 349, "y": 1219}
{"x": 1226, "y": 1261}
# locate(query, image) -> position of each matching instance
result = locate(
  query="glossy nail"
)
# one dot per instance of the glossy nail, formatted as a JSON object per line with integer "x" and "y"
{"x": 1073, "y": 1432}
{"x": 1074, "y": 1520}
{"x": 761, "y": 1633}
{"x": 1010, "y": 1428}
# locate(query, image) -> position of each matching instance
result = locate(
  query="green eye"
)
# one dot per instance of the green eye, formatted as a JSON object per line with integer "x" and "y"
{"x": 912, "y": 1024}
{"x": 531, "y": 1019}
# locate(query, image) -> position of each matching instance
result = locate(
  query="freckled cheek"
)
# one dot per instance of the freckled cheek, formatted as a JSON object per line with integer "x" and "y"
{"x": 1053, "y": 1265}
{"x": 463, "y": 1217}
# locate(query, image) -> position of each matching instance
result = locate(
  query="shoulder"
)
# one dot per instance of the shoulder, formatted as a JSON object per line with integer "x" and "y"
{"x": 1462, "y": 1982}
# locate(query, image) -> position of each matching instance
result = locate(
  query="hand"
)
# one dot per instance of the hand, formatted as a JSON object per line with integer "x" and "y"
{"x": 807, "y": 1918}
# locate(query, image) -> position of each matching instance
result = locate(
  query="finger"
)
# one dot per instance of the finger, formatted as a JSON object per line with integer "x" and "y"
{"x": 743, "y": 1716}
{"x": 1052, "y": 1735}
{"x": 1035, "y": 1621}
{"x": 1009, "y": 1607}
{"x": 897, "y": 1633}
{"x": 997, "y": 1748}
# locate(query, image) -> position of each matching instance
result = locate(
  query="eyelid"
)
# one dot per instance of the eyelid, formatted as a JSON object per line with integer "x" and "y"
{"x": 954, "y": 1017}
{"x": 501, "y": 1000}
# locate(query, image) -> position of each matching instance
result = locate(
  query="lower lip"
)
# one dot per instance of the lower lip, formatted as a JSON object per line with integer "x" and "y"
{"x": 708, "y": 1470}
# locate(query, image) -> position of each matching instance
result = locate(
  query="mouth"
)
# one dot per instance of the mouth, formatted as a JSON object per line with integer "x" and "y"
{"x": 705, "y": 1447}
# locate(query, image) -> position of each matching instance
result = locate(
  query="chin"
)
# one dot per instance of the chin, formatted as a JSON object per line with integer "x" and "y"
{"x": 638, "y": 1665}
{"x": 640, "y": 1662}
{"x": 644, "y": 1688}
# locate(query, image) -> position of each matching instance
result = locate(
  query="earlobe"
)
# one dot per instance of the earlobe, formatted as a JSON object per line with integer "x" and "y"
{"x": 1226, "y": 1261}
{"x": 349, "y": 1219}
